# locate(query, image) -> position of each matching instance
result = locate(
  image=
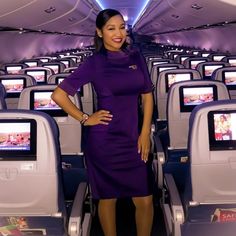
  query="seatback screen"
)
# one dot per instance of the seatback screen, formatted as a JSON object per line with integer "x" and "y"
{"x": 222, "y": 130}
{"x": 18, "y": 139}
{"x": 42, "y": 101}
{"x": 191, "y": 96}
{"x": 172, "y": 78}
{"x": 14, "y": 86}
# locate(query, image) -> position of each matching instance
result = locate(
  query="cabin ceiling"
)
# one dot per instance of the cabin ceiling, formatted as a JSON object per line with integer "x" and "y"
{"x": 42, "y": 27}
{"x": 78, "y": 16}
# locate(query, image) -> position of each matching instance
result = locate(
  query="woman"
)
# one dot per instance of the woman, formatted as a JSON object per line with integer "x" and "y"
{"x": 116, "y": 154}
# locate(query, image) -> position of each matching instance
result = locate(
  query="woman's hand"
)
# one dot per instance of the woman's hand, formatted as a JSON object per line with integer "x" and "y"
{"x": 100, "y": 117}
{"x": 144, "y": 144}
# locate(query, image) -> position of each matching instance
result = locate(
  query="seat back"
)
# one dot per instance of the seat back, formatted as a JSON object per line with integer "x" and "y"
{"x": 56, "y": 66}
{"x": 76, "y": 59}
{"x": 230, "y": 59}
{"x": 192, "y": 62}
{"x": 3, "y": 94}
{"x": 2, "y": 72}
{"x": 31, "y": 62}
{"x": 2, "y": 90}
{"x": 182, "y": 98}
{"x": 228, "y": 76}
{"x": 163, "y": 86}
{"x": 206, "y": 69}
{"x": 156, "y": 69}
{"x": 70, "y": 69}
{"x": 87, "y": 99}
{"x": 44, "y": 59}
{"x": 29, "y": 172}
{"x": 41, "y": 74}
{"x": 157, "y": 61}
{"x": 172, "y": 54}
{"x": 85, "y": 93}
{"x": 212, "y": 152}
{"x": 38, "y": 97}
{"x": 13, "y": 68}
{"x": 57, "y": 78}
{"x": 13, "y": 85}
{"x": 217, "y": 56}
{"x": 182, "y": 57}
{"x": 68, "y": 62}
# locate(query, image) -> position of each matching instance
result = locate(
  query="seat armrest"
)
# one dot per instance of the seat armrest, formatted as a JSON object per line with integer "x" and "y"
{"x": 175, "y": 204}
{"x": 160, "y": 124}
{"x": 75, "y": 220}
{"x": 160, "y": 160}
{"x": 87, "y": 224}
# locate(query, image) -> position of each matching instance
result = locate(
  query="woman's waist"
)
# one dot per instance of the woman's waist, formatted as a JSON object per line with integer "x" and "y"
{"x": 117, "y": 102}
{"x": 119, "y": 127}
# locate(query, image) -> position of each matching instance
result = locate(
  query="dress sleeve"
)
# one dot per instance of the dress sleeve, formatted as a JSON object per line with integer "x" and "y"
{"x": 82, "y": 75}
{"x": 148, "y": 86}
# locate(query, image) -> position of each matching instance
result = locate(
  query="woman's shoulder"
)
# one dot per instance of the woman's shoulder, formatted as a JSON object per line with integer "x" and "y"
{"x": 93, "y": 59}
{"x": 135, "y": 53}
{"x": 96, "y": 56}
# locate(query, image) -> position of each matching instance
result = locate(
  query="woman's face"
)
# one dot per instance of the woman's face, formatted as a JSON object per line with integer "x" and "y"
{"x": 113, "y": 33}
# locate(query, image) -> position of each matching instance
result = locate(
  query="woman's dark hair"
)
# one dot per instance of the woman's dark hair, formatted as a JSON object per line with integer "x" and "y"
{"x": 102, "y": 18}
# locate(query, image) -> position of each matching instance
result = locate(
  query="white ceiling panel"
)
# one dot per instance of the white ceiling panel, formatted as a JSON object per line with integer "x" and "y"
{"x": 78, "y": 16}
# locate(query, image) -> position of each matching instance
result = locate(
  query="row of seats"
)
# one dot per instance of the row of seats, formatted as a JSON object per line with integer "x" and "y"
{"x": 58, "y": 62}
{"x": 222, "y": 72}
{"x": 206, "y": 204}
{"x": 54, "y": 67}
{"x": 227, "y": 75}
{"x": 194, "y": 162}
{"x": 190, "y": 62}
{"x": 41, "y": 153}
{"x": 38, "y": 98}
{"x": 14, "y": 84}
{"x": 32, "y": 178}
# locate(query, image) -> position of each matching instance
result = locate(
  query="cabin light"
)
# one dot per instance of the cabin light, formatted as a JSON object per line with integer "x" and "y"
{"x": 100, "y": 4}
{"x": 125, "y": 18}
{"x": 141, "y": 12}
{"x": 196, "y": 7}
{"x": 21, "y": 31}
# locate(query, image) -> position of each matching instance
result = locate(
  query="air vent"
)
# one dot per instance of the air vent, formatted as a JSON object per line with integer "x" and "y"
{"x": 175, "y": 16}
{"x": 50, "y": 10}
{"x": 72, "y": 19}
{"x": 196, "y": 7}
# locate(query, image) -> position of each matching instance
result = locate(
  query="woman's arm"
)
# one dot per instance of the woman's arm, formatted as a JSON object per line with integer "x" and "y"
{"x": 144, "y": 138}
{"x": 63, "y": 100}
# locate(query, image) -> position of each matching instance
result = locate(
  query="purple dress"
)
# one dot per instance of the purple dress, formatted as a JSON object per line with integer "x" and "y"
{"x": 115, "y": 168}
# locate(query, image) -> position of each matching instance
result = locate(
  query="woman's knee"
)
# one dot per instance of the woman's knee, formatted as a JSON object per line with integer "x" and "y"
{"x": 143, "y": 202}
{"x": 108, "y": 202}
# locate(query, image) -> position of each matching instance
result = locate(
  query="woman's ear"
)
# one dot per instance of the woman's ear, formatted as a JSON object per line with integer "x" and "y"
{"x": 99, "y": 33}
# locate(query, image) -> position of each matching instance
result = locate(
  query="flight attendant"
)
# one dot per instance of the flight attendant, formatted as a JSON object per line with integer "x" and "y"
{"x": 116, "y": 152}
